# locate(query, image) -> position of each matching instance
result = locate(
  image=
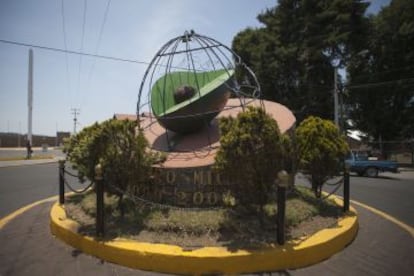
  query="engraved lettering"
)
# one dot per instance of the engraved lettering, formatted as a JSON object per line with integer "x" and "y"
{"x": 218, "y": 179}
{"x": 209, "y": 177}
{"x": 198, "y": 198}
{"x": 181, "y": 198}
{"x": 170, "y": 177}
{"x": 198, "y": 178}
{"x": 212, "y": 198}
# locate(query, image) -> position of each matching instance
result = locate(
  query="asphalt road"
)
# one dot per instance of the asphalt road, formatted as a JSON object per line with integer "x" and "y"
{"x": 390, "y": 193}
{"x": 393, "y": 194}
{"x": 22, "y": 185}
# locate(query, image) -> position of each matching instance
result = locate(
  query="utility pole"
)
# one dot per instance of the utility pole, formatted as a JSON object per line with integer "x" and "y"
{"x": 335, "y": 92}
{"x": 30, "y": 97}
{"x": 75, "y": 113}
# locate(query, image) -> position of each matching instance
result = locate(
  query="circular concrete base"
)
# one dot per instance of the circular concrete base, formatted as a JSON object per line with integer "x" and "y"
{"x": 174, "y": 259}
{"x": 199, "y": 149}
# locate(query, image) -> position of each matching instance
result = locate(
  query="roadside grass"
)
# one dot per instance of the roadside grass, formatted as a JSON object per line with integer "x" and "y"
{"x": 234, "y": 227}
{"x": 19, "y": 158}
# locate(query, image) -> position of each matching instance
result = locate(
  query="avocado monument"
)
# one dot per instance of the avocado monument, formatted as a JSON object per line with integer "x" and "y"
{"x": 191, "y": 82}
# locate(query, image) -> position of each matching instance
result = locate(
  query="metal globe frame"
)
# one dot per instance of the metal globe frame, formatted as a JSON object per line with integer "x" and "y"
{"x": 213, "y": 70}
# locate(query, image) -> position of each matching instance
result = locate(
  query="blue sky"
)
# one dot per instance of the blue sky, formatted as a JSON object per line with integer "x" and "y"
{"x": 133, "y": 30}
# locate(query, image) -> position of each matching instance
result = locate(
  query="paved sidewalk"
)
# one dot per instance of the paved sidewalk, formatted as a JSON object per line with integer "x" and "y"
{"x": 28, "y": 162}
{"x": 28, "y": 248}
{"x": 21, "y": 153}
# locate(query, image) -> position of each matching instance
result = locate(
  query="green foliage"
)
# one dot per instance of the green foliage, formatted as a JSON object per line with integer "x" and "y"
{"x": 299, "y": 210}
{"x": 293, "y": 54}
{"x": 381, "y": 76}
{"x": 321, "y": 148}
{"x": 115, "y": 145}
{"x": 83, "y": 150}
{"x": 303, "y": 204}
{"x": 88, "y": 203}
{"x": 191, "y": 222}
{"x": 251, "y": 154}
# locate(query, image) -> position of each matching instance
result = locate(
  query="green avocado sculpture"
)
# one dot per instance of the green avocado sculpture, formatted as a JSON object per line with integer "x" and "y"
{"x": 184, "y": 102}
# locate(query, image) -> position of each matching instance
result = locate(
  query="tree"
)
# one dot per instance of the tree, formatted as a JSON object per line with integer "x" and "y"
{"x": 252, "y": 151}
{"x": 321, "y": 150}
{"x": 294, "y": 53}
{"x": 381, "y": 79}
{"x": 121, "y": 152}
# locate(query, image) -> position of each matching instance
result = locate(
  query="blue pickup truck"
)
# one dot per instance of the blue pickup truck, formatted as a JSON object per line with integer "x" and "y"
{"x": 363, "y": 165}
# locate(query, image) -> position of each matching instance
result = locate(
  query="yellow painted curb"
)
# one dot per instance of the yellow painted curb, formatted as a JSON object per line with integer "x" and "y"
{"x": 174, "y": 259}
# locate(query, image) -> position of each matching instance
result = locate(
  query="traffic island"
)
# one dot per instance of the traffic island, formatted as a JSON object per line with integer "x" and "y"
{"x": 209, "y": 142}
{"x": 177, "y": 260}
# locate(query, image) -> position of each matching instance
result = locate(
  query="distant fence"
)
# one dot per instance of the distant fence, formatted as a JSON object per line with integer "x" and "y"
{"x": 9, "y": 140}
{"x": 402, "y": 158}
{"x": 400, "y": 151}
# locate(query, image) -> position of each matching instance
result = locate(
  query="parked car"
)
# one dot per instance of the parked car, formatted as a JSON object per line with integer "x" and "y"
{"x": 364, "y": 165}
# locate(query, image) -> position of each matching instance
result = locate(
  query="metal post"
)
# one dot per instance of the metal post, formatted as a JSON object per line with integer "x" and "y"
{"x": 346, "y": 189}
{"x": 61, "y": 181}
{"x": 281, "y": 206}
{"x": 283, "y": 182}
{"x": 99, "y": 201}
{"x": 28, "y": 150}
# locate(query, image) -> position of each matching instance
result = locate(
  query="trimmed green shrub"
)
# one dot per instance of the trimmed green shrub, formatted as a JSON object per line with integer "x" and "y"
{"x": 252, "y": 151}
{"x": 321, "y": 149}
{"x": 123, "y": 154}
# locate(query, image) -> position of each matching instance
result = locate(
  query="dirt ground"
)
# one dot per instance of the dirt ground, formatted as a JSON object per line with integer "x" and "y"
{"x": 246, "y": 232}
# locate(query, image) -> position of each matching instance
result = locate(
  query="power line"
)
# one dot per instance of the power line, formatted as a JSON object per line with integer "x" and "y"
{"x": 382, "y": 72}
{"x": 362, "y": 85}
{"x": 147, "y": 63}
{"x": 103, "y": 25}
{"x": 65, "y": 44}
{"x": 72, "y": 52}
{"x": 391, "y": 141}
{"x": 85, "y": 8}
{"x": 99, "y": 39}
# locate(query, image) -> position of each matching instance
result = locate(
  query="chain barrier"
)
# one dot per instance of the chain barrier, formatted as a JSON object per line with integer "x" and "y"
{"x": 71, "y": 174}
{"x": 143, "y": 201}
{"x": 339, "y": 184}
{"x": 335, "y": 183}
{"x": 73, "y": 189}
